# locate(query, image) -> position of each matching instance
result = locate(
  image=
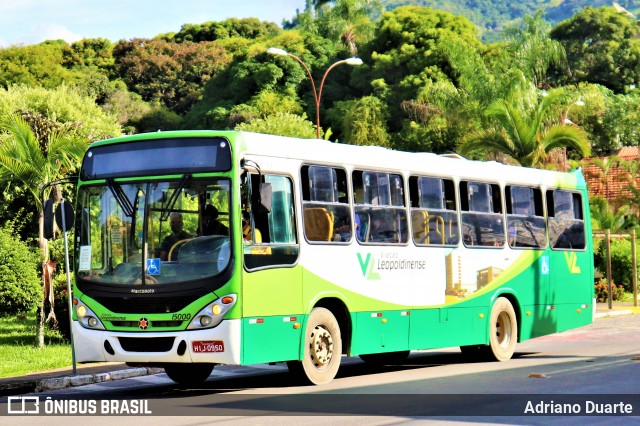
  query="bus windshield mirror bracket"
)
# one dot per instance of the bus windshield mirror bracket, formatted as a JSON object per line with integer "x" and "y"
{"x": 166, "y": 209}
{"x": 70, "y": 179}
{"x": 121, "y": 197}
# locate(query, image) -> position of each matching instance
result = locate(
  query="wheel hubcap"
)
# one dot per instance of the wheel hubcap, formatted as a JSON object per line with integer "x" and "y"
{"x": 503, "y": 329}
{"x": 321, "y": 346}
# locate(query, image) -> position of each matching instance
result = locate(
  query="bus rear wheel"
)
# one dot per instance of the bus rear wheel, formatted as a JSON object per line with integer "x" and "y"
{"x": 188, "y": 374}
{"x": 322, "y": 349}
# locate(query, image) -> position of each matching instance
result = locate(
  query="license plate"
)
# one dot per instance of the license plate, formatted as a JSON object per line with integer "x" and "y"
{"x": 208, "y": 346}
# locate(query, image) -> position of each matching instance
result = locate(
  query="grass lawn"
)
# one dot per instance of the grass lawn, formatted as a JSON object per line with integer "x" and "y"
{"x": 19, "y": 355}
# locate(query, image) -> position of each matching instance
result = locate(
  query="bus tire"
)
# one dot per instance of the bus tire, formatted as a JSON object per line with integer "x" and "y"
{"x": 386, "y": 358}
{"x": 189, "y": 374}
{"x": 322, "y": 349}
{"x": 503, "y": 331}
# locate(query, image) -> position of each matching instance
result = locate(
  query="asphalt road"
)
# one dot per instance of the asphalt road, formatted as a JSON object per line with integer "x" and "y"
{"x": 592, "y": 370}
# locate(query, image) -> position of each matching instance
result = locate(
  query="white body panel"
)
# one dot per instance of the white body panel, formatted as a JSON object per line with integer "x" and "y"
{"x": 89, "y": 345}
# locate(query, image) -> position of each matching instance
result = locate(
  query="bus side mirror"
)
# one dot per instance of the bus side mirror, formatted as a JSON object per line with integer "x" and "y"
{"x": 48, "y": 218}
{"x": 64, "y": 216}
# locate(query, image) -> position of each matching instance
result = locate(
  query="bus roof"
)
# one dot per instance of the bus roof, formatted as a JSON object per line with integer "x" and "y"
{"x": 318, "y": 150}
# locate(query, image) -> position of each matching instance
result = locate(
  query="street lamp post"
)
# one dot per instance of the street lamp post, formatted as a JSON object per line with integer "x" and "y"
{"x": 317, "y": 94}
{"x": 566, "y": 120}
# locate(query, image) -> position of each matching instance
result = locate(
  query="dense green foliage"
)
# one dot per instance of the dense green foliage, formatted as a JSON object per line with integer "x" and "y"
{"x": 621, "y": 265}
{"x": 283, "y": 124}
{"x": 169, "y": 72}
{"x": 19, "y": 280}
{"x": 602, "y": 48}
{"x": 493, "y": 16}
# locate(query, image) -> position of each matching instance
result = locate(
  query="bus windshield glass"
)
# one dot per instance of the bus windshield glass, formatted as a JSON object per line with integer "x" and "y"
{"x": 153, "y": 233}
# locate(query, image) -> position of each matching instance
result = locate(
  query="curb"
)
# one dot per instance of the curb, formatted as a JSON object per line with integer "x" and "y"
{"x": 613, "y": 313}
{"x": 56, "y": 383}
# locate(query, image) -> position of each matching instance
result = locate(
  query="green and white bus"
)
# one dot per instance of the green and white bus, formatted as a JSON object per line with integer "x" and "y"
{"x": 320, "y": 249}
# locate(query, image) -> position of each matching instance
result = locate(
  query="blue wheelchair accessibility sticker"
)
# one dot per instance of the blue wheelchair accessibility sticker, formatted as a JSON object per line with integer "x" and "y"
{"x": 544, "y": 265}
{"x": 153, "y": 266}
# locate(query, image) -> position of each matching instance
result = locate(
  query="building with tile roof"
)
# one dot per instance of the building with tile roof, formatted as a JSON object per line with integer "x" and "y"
{"x": 612, "y": 184}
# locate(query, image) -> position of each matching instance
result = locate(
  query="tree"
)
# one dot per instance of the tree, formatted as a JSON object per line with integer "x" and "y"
{"x": 89, "y": 52}
{"x": 169, "y": 72}
{"x": 63, "y": 104}
{"x": 247, "y": 28}
{"x": 407, "y": 53}
{"x": 39, "y": 65}
{"x": 349, "y": 21}
{"x": 231, "y": 93}
{"x": 602, "y": 47}
{"x": 364, "y": 121}
{"x": 526, "y": 134}
{"x": 532, "y": 50}
{"x": 603, "y": 216}
{"x": 283, "y": 124}
{"x": 19, "y": 288}
{"x": 33, "y": 160}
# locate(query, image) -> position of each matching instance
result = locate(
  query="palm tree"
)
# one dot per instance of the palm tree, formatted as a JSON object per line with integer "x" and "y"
{"x": 530, "y": 48}
{"x": 34, "y": 158}
{"x": 347, "y": 20}
{"x": 603, "y": 216}
{"x": 525, "y": 134}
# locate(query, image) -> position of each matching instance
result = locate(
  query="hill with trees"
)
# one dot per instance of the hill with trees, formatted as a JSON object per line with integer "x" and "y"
{"x": 493, "y": 16}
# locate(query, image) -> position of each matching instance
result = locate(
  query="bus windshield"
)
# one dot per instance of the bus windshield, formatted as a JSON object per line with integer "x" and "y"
{"x": 153, "y": 233}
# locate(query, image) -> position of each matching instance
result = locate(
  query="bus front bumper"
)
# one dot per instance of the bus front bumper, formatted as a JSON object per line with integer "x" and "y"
{"x": 219, "y": 345}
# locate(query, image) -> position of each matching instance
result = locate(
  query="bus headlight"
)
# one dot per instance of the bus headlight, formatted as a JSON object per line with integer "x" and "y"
{"x": 212, "y": 314}
{"x": 81, "y": 310}
{"x": 86, "y": 317}
{"x": 205, "y": 320}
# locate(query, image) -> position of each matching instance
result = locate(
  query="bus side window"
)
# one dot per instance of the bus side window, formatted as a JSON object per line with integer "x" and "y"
{"x": 482, "y": 220}
{"x": 566, "y": 220}
{"x": 526, "y": 227}
{"x": 380, "y": 207}
{"x": 327, "y": 215}
{"x": 434, "y": 215}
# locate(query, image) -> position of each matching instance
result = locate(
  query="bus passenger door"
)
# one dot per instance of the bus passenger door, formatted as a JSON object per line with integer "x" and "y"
{"x": 271, "y": 289}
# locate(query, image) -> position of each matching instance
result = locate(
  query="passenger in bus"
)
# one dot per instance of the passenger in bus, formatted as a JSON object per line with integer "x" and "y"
{"x": 210, "y": 223}
{"x": 247, "y": 233}
{"x": 177, "y": 234}
{"x": 381, "y": 230}
{"x": 343, "y": 230}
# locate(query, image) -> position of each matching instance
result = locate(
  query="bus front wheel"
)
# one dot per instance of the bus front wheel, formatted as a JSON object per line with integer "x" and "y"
{"x": 188, "y": 374}
{"x": 322, "y": 349}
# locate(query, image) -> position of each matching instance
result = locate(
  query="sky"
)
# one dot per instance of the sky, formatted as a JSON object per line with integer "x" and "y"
{"x": 33, "y": 21}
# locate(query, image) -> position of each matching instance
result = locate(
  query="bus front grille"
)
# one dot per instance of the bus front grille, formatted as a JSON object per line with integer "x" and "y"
{"x": 146, "y": 344}
{"x": 154, "y": 324}
{"x": 145, "y": 305}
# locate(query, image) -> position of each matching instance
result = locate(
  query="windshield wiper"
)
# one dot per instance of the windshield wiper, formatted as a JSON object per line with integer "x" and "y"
{"x": 121, "y": 197}
{"x": 174, "y": 197}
